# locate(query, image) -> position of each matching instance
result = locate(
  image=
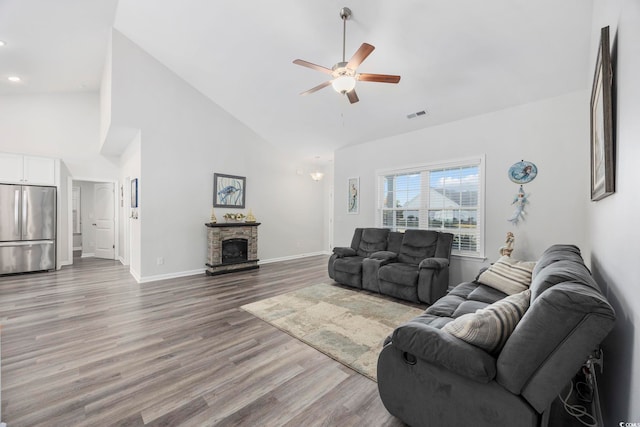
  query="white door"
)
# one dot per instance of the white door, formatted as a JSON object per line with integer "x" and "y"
{"x": 104, "y": 204}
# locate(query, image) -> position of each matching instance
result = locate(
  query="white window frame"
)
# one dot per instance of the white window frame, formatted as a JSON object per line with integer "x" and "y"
{"x": 478, "y": 161}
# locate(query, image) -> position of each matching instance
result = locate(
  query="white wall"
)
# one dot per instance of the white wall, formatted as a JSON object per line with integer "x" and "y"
{"x": 550, "y": 133}
{"x": 185, "y": 138}
{"x": 64, "y": 126}
{"x": 612, "y": 227}
{"x": 130, "y": 168}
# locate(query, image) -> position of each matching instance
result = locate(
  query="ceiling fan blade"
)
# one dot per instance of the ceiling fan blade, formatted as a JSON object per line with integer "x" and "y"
{"x": 381, "y": 78}
{"x": 353, "y": 98}
{"x": 360, "y": 55}
{"x": 313, "y": 66}
{"x": 317, "y": 88}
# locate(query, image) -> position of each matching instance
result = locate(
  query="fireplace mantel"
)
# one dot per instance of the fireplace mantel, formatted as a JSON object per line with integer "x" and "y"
{"x": 218, "y": 233}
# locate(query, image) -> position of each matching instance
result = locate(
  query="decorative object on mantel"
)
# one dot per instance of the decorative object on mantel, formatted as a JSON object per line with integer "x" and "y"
{"x": 507, "y": 249}
{"x": 234, "y": 217}
{"x": 520, "y": 201}
{"x": 213, "y": 217}
{"x": 353, "y": 206}
{"x": 250, "y": 218}
{"x": 602, "y": 138}
{"x": 228, "y": 191}
{"x": 523, "y": 172}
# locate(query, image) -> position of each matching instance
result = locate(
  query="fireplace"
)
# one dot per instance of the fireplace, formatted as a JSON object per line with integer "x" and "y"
{"x": 234, "y": 251}
{"x": 231, "y": 247}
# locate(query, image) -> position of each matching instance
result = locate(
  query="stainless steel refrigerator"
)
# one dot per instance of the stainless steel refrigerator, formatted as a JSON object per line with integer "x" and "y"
{"x": 27, "y": 228}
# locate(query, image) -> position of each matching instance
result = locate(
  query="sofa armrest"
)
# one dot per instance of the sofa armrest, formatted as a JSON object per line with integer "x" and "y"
{"x": 443, "y": 349}
{"x": 344, "y": 252}
{"x": 434, "y": 263}
{"x": 384, "y": 255}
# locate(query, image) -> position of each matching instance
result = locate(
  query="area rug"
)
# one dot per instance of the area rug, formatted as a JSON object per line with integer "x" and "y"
{"x": 348, "y": 326}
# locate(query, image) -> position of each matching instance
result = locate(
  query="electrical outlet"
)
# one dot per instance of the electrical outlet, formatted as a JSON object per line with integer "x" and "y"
{"x": 160, "y": 260}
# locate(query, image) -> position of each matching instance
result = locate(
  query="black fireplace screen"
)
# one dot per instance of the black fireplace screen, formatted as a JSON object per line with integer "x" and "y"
{"x": 234, "y": 250}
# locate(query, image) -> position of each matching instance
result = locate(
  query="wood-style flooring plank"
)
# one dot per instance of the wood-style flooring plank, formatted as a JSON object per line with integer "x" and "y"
{"x": 89, "y": 346}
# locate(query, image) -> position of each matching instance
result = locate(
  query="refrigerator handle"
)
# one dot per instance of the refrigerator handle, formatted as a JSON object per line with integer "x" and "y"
{"x": 24, "y": 213}
{"x": 16, "y": 213}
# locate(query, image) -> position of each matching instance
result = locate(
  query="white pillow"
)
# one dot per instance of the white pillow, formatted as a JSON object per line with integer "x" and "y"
{"x": 490, "y": 327}
{"x": 508, "y": 275}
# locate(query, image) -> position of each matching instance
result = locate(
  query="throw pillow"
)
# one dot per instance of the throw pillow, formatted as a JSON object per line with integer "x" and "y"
{"x": 508, "y": 275}
{"x": 490, "y": 327}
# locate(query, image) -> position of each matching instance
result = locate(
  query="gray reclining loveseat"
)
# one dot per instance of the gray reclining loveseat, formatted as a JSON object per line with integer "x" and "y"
{"x": 413, "y": 265}
{"x": 430, "y": 377}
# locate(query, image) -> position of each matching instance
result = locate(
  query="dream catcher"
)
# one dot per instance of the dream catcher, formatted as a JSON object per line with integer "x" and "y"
{"x": 521, "y": 173}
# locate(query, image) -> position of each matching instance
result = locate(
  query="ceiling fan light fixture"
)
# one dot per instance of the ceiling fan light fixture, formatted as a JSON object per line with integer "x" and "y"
{"x": 343, "y": 84}
{"x": 345, "y": 73}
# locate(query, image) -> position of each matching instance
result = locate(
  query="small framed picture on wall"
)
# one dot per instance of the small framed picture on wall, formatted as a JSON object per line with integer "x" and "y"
{"x": 353, "y": 204}
{"x": 134, "y": 193}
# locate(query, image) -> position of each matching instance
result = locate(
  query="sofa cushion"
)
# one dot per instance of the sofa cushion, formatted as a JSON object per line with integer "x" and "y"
{"x": 352, "y": 264}
{"x": 508, "y": 275}
{"x": 490, "y": 327}
{"x": 399, "y": 272}
{"x": 372, "y": 240}
{"x": 557, "y": 253}
{"x": 435, "y": 346}
{"x": 561, "y": 271}
{"x": 418, "y": 245}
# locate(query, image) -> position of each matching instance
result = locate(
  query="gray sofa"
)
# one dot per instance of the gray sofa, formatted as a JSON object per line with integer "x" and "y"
{"x": 413, "y": 265}
{"x": 428, "y": 377}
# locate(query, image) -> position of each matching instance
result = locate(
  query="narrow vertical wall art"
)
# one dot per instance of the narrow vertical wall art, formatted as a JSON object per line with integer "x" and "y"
{"x": 353, "y": 206}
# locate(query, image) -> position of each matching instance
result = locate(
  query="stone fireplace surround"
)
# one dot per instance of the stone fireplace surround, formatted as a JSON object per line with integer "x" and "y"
{"x": 231, "y": 231}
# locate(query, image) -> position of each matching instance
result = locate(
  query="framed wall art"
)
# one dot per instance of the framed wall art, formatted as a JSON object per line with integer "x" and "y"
{"x": 602, "y": 141}
{"x": 228, "y": 191}
{"x": 353, "y": 206}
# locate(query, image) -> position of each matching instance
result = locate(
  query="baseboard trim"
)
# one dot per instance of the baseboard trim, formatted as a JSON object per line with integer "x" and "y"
{"x": 291, "y": 257}
{"x": 171, "y": 275}
{"x": 176, "y": 275}
{"x": 87, "y": 255}
{"x": 135, "y": 274}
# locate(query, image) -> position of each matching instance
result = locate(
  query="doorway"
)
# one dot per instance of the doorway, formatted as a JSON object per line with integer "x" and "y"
{"x": 94, "y": 210}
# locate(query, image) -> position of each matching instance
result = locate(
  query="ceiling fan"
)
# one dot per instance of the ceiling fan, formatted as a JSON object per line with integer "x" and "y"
{"x": 344, "y": 75}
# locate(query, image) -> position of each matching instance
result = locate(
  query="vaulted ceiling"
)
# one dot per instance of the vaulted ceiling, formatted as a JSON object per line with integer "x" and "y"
{"x": 457, "y": 58}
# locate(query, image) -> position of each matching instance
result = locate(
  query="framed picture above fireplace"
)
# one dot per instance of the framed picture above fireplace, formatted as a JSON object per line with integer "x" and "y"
{"x": 228, "y": 191}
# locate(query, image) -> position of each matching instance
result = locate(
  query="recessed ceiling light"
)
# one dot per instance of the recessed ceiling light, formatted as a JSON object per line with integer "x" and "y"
{"x": 14, "y": 79}
{"x": 2, "y": 43}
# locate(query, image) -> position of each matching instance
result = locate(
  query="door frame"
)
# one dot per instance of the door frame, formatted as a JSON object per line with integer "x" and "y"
{"x": 116, "y": 209}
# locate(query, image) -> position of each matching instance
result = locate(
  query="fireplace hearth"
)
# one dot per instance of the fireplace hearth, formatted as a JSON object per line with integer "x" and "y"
{"x": 231, "y": 247}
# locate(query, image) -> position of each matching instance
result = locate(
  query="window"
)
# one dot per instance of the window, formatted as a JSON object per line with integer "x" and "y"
{"x": 441, "y": 197}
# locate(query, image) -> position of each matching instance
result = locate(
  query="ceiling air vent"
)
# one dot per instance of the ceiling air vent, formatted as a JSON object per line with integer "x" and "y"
{"x": 417, "y": 114}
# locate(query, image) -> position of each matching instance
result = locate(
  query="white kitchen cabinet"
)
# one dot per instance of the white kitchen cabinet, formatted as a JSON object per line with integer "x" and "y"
{"x": 16, "y": 168}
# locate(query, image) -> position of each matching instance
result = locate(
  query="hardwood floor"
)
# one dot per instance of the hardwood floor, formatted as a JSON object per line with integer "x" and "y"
{"x": 88, "y": 346}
